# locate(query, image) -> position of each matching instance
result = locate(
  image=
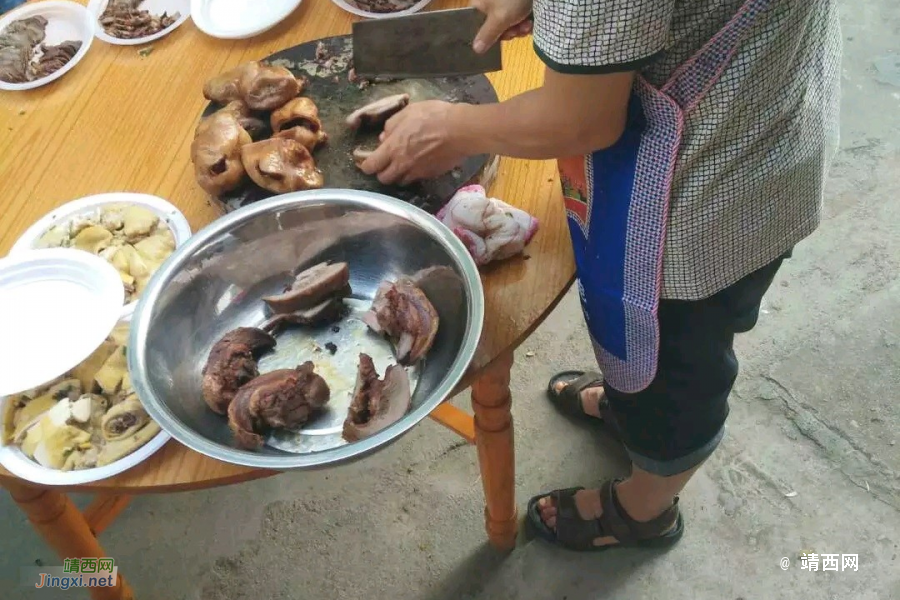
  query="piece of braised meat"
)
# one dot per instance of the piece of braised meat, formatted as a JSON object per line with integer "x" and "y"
{"x": 297, "y": 112}
{"x": 282, "y": 399}
{"x": 327, "y": 312}
{"x": 377, "y": 403}
{"x": 231, "y": 364}
{"x": 360, "y": 155}
{"x": 216, "y": 151}
{"x": 258, "y": 85}
{"x": 281, "y": 165}
{"x": 298, "y": 120}
{"x": 402, "y": 312}
{"x": 311, "y": 287}
{"x": 374, "y": 115}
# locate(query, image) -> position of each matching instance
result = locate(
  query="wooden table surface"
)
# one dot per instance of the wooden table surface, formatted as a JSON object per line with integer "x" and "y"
{"x": 122, "y": 121}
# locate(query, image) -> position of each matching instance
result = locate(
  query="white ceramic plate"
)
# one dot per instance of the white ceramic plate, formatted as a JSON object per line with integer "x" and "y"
{"x": 17, "y": 463}
{"x": 65, "y": 21}
{"x": 239, "y": 19}
{"x": 350, "y": 7}
{"x": 156, "y": 7}
{"x": 173, "y": 217}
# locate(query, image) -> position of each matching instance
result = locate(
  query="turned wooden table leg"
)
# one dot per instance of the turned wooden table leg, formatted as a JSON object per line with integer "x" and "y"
{"x": 492, "y": 402}
{"x": 65, "y": 529}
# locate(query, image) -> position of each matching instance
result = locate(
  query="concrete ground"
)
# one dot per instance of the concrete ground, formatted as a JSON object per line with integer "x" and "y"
{"x": 810, "y": 461}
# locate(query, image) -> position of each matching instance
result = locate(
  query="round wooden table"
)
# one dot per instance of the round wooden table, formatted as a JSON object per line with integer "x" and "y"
{"x": 123, "y": 119}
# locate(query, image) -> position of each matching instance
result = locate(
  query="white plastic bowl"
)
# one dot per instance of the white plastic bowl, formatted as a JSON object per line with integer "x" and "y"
{"x": 156, "y": 7}
{"x": 173, "y": 218}
{"x": 65, "y": 21}
{"x": 352, "y": 8}
{"x": 19, "y": 464}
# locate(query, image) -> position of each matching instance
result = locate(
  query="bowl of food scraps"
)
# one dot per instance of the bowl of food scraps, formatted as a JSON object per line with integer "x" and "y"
{"x": 81, "y": 421}
{"x": 134, "y": 232}
{"x": 306, "y": 330}
{"x": 380, "y": 9}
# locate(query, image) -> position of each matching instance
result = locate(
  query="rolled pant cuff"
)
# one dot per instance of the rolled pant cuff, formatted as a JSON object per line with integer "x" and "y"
{"x": 670, "y": 468}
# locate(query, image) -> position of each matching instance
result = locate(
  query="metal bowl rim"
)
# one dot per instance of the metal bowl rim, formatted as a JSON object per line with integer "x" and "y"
{"x": 140, "y": 325}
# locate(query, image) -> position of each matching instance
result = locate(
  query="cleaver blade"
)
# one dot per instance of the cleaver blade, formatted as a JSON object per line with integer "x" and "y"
{"x": 429, "y": 44}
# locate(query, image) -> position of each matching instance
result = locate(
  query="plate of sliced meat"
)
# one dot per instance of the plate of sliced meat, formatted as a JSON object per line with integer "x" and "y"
{"x": 135, "y": 22}
{"x": 41, "y": 42}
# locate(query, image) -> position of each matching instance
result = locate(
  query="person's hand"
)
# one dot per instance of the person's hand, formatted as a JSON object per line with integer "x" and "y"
{"x": 416, "y": 144}
{"x": 506, "y": 20}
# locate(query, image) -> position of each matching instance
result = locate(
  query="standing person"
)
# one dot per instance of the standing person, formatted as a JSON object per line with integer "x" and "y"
{"x": 692, "y": 138}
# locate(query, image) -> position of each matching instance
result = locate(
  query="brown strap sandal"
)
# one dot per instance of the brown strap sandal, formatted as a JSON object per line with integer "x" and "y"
{"x": 568, "y": 401}
{"x": 574, "y": 533}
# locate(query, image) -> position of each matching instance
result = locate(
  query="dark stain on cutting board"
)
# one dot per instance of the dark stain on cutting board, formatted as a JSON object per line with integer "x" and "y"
{"x": 336, "y": 97}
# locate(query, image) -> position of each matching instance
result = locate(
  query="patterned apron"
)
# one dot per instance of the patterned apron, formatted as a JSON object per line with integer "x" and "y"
{"x": 617, "y": 204}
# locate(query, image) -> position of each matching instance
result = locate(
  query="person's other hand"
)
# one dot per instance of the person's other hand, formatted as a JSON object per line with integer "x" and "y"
{"x": 415, "y": 145}
{"x": 506, "y": 20}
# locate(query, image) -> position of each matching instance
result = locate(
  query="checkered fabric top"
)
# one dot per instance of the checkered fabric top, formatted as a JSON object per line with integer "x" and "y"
{"x": 749, "y": 179}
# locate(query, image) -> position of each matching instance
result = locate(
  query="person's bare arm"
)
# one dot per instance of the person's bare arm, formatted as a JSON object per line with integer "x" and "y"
{"x": 569, "y": 115}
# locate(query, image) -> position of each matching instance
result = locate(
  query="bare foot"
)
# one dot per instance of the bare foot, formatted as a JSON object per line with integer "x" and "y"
{"x": 590, "y": 398}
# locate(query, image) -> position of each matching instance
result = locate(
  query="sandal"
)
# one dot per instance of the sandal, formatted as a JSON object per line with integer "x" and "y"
{"x": 568, "y": 400}
{"x": 575, "y": 533}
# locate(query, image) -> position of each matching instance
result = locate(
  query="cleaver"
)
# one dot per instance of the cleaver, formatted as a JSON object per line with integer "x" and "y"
{"x": 427, "y": 44}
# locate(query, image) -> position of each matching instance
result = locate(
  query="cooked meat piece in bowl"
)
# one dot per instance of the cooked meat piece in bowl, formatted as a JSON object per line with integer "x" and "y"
{"x": 376, "y": 403}
{"x": 231, "y": 364}
{"x": 282, "y": 399}
{"x": 311, "y": 287}
{"x": 402, "y": 312}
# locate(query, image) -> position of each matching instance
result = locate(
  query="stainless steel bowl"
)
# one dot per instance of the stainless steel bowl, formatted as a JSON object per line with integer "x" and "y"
{"x": 215, "y": 283}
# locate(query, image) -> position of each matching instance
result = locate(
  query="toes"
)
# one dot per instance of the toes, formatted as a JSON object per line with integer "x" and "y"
{"x": 548, "y": 511}
{"x": 559, "y": 386}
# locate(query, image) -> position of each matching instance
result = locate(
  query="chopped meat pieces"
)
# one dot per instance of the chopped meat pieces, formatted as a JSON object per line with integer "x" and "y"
{"x": 376, "y": 113}
{"x": 17, "y": 43}
{"x": 402, "y": 312}
{"x": 123, "y": 19}
{"x": 281, "y": 165}
{"x": 231, "y": 364}
{"x": 376, "y": 403}
{"x": 55, "y": 58}
{"x": 311, "y": 287}
{"x": 282, "y": 399}
{"x": 383, "y": 6}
